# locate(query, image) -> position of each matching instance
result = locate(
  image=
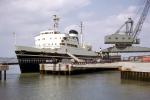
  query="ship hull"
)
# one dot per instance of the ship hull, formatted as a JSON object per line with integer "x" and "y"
{"x": 29, "y": 58}
{"x": 29, "y": 61}
{"x": 29, "y": 68}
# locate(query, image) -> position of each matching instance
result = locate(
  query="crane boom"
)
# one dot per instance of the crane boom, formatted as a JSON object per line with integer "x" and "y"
{"x": 142, "y": 19}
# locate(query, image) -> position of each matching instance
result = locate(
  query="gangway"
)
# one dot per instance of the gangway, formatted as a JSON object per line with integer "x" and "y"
{"x": 74, "y": 57}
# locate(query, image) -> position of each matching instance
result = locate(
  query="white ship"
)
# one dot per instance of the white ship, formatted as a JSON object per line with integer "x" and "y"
{"x": 51, "y": 46}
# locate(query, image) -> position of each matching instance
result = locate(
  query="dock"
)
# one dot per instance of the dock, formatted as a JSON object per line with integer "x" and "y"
{"x": 3, "y": 69}
{"x": 129, "y": 70}
{"x": 76, "y": 68}
{"x": 135, "y": 71}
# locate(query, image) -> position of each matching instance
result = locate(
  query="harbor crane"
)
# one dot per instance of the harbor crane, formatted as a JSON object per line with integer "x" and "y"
{"x": 123, "y": 41}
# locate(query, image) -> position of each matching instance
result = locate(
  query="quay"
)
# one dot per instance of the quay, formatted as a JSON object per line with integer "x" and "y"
{"x": 135, "y": 71}
{"x": 76, "y": 68}
{"x": 129, "y": 70}
{"x": 3, "y": 69}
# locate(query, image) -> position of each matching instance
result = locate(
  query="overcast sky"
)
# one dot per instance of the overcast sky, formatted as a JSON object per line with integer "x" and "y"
{"x": 100, "y": 17}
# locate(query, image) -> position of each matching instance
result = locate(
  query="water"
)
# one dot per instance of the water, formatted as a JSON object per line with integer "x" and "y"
{"x": 97, "y": 86}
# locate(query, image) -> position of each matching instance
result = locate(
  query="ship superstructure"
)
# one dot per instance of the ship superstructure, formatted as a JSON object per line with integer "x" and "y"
{"x": 54, "y": 39}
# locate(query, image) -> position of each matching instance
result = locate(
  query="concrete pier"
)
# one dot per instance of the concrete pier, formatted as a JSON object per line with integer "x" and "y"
{"x": 78, "y": 68}
{"x": 135, "y": 71}
{"x": 3, "y": 68}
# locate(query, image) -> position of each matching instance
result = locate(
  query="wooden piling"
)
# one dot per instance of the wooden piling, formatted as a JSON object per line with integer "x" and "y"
{"x": 0, "y": 75}
{"x": 3, "y": 67}
{"x": 59, "y": 69}
{"x": 4, "y": 74}
{"x": 54, "y": 68}
{"x": 70, "y": 69}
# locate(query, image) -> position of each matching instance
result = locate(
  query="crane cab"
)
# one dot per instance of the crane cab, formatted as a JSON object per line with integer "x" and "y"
{"x": 121, "y": 40}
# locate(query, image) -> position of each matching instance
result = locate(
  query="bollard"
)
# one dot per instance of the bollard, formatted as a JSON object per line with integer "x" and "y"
{"x": 59, "y": 69}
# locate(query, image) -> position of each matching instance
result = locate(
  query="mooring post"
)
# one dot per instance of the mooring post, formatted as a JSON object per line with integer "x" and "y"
{"x": 59, "y": 68}
{"x": 0, "y": 75}
{"x": 4, "y": 74}
{"x": 70, "y": 68}
{"x": 54, "y": 68}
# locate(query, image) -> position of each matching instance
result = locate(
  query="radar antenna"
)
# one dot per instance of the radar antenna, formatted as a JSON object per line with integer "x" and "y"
{"x": 81, "y": 32}
{"x": 56, "y": 22}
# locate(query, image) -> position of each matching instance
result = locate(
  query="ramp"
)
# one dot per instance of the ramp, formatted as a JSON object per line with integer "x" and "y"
{"x": 74, "y": 57}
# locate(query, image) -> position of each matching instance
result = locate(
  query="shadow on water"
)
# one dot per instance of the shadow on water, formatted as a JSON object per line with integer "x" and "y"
{"x": 134, "y": 82}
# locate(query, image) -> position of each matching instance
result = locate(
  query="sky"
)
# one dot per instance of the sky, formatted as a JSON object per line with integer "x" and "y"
{"x": 100, "y": 18}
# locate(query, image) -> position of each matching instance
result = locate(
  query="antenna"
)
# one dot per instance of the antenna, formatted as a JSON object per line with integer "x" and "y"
{"x": 14, "y": 35}
{"x": 81, "y": 32}
{"x": 56, "y": 20}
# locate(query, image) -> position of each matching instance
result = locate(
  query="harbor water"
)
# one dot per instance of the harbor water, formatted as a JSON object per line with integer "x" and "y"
{"x": 104, "y": 85}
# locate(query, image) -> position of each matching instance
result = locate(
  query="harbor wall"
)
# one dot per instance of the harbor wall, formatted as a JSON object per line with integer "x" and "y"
{"x": 133, "y": 75}
{"x": 135, "y": 71}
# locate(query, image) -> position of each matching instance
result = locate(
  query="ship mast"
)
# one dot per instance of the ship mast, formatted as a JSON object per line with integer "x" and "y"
{"x": 14, "y": 35}
{"x": 56, "y": 22}
{"x": 81, "y": 33}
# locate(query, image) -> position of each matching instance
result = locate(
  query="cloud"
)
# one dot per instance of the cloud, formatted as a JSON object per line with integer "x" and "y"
{"x": 87, "y": 15}
{"x": 35, "y": 11}
{"x": 43, "y": 6}
{"x": 28, "y": 17}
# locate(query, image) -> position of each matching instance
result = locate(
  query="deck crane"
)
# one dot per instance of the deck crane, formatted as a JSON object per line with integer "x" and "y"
{"x": 125, "y": 39}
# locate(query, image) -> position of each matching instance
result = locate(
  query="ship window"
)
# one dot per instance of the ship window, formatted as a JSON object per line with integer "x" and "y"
{"x": 62, "y": 43}
{"x": 65, "y": 38}
{"x": 123, "y": 38}
{"x": 116, "y": 38}
{"x": 129, "y": 38}
{"x": 38, "y": 39}
{"x": 109, "y": 37}
{"x": 43, "y": 39}
{"x": 71, "y": 45}
{"x": 52, "y": 43}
